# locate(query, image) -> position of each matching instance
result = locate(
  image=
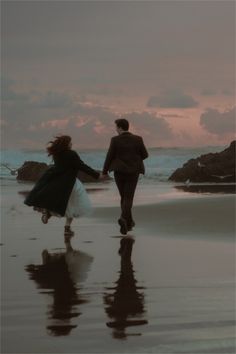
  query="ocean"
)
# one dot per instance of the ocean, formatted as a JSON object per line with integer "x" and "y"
{"x": 162, "y": 162}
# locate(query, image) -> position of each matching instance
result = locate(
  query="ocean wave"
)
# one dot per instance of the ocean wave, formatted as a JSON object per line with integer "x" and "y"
{"x": 161, "y": 163}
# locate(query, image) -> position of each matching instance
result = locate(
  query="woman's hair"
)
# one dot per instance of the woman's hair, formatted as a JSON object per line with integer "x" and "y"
{"x": 60, "y": 144}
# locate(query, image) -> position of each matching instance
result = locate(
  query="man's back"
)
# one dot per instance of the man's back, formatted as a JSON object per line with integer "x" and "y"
{"x": 129, "y": 146}
{"x": 126, "y": 154}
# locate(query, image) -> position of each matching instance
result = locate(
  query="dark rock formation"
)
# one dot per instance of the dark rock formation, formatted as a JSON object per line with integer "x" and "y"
{"x": 208, "y": 188}
{"x": 32, "y": 171}
{"x": 214, "y": 167}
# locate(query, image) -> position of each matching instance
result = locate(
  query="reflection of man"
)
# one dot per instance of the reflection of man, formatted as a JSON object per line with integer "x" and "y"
{"x": 59, "y": 274}
{"x": 125, "y": 157}
{"x": 126, "y": 305}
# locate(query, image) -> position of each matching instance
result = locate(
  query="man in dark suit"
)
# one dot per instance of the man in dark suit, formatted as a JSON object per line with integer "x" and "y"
{"x": 125, "y": 157}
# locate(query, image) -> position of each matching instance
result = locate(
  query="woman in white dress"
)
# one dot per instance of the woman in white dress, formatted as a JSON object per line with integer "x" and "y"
{"x": 59, "y": 192}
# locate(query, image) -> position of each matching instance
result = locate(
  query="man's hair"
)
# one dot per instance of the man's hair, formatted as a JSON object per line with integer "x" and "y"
{"x": 122, "y": 123}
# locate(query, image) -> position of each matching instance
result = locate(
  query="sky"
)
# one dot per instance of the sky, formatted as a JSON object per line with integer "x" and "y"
{"x": 73, "y": 67}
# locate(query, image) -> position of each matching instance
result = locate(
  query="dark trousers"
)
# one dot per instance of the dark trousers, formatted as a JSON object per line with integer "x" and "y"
{"x": 126, "y": 184}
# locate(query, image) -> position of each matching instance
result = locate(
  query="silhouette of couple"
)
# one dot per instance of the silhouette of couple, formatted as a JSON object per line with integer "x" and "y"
{"x": 60, "y": 193}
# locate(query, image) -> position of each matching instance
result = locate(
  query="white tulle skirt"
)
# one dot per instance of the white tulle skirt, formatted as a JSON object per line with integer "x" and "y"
{"x": 79, "y": 203}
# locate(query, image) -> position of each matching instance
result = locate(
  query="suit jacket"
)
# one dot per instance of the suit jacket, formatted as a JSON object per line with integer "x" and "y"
{"x": 126, "y": 154}
{"x": 53, "y": 189}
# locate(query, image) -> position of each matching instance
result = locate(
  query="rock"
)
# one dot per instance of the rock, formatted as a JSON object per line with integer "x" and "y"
{"x": 208, "y": 188}
{"x": 32, "y": 171}
{"x": 213, "y": 167}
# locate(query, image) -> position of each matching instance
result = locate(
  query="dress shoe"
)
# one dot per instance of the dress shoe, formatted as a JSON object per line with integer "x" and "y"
{"x": 130, "y": 227}
{"x": 123, "y": 226}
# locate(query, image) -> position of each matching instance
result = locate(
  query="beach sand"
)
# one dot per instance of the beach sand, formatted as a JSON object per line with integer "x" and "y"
{"x": 175, "y": 295}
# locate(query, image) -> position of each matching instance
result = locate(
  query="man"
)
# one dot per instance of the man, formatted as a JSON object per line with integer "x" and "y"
{"x": 125, "y": 157}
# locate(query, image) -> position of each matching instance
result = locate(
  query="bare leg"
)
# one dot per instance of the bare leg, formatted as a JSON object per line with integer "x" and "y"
{"x": 68, "y": 221}
{"x": 68, "y": 232}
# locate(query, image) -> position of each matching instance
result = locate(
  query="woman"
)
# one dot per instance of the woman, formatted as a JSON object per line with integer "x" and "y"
{"x": 59, "y": 192}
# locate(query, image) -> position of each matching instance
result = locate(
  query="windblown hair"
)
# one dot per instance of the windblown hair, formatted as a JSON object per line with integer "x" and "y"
{"x": 122, "y": 123}
{"x": 60, "y": 144}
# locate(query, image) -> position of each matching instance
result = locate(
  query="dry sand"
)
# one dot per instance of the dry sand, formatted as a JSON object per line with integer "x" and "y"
{"x": 176, "y": 295}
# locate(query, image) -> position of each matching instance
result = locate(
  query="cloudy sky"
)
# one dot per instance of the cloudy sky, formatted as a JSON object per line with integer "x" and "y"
{"x": 73, "y": 67}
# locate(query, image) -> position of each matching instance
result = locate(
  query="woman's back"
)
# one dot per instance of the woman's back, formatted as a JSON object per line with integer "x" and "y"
{"x": 65, "y": 159}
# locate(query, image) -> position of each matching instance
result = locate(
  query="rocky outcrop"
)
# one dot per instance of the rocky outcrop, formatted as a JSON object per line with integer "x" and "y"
{"x": 214, "y": 167}
{"x": 206, "y": 188}
{"x": 32, "y": 171}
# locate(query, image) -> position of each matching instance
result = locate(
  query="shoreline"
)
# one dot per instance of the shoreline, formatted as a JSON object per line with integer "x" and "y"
{"x": 176, "y": 294}
{"x": 209, "y": 215}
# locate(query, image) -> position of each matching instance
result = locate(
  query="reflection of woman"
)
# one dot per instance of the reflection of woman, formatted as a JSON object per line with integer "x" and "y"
{"x": 126, "y": 305}
{"x": 59, "y": 274}
{"x": 58, "y": 191}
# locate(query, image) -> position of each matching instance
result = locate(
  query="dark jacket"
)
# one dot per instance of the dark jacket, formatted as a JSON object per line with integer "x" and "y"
{"x": 53, "y": 189}
{"x": 126, "y": 154}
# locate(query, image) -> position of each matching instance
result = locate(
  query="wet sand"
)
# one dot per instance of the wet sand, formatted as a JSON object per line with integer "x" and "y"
{"x": 174, "y": 294}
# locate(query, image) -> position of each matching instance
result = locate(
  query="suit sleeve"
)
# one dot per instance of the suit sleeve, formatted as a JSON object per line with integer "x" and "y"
{"x": 81, "y": 166}
{"x": 110, "y": 156}
{"x": 143, "y": 150}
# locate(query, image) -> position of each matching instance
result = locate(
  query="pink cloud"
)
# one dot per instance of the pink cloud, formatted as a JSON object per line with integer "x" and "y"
{"x": 55, "y": 123}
